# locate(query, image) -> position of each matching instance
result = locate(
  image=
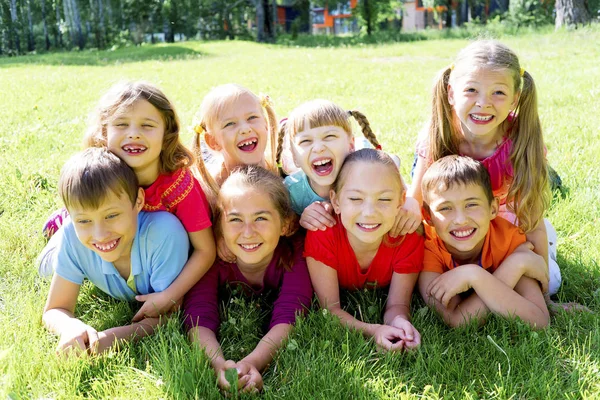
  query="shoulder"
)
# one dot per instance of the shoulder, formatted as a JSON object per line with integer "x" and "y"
{"x": 295, "y": 179}
{"x": 502, "y": 229}
{"x": 160, "y": 224}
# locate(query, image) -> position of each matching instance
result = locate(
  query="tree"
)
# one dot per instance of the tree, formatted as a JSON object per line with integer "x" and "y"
{"x": 46, "y": 37}
{"x": 571, "y": 13}
{"x": 30, "y": 38}
{"x": 14, "y": 26}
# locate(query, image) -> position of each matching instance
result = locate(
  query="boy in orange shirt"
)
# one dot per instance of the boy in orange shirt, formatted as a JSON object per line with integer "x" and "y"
{"x": 469, "y": 247}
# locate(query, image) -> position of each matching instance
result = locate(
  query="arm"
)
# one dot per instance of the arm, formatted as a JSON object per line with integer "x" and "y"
{"x": 414, "y": 192}
{"x": 317, "y": 216}
{"x": 203, "y": 256}
{"x": 539, "y": 239}
{"x": 397, "y": 309}
{"x": 325, "y": 283}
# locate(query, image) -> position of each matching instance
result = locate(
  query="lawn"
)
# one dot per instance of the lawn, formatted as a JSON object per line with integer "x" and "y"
{"x": 45, "y": 100}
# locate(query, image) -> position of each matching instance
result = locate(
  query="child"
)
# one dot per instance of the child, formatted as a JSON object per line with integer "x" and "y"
{"x": 485, "y": 107}
{"x": 358, "y": 251}
{"x": 320, "y": 138}
{"x": 137, "y": 122}
{"x": 110, "y": 242}
{"x": 470, "y": 248}
{"x": 253, "y": 216}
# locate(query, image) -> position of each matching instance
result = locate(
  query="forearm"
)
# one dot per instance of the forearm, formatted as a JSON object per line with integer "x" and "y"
{"x": 263, "y": 354}
{"x": 134, "y": 331}
{"x": 57, "y": 319}
{"x": 348, "y": 320}
{"x": 393, "y": 311}
{"x": 206, "y": 339}
{"x": 539, "y": 239}
{"x": 194, "y": 269}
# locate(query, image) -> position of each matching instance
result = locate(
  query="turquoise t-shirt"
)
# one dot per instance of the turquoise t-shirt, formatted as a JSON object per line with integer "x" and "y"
{"x": 301, "y": 194}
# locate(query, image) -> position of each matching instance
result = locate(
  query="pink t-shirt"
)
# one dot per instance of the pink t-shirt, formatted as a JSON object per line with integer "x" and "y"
{"x": 180, "y": 194}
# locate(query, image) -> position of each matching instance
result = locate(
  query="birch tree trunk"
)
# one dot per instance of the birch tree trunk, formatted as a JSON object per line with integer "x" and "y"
{"x": 30, "y": 38}
{"x": 260, "y": 21}
{"x": 58, "y": 40}
{"x": 15, "y": 32}
{"x": 571, "y": 13}
{"x": 46, "y": 38}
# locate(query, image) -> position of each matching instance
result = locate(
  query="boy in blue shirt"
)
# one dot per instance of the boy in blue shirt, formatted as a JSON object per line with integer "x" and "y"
{"x": 113, "y": 244}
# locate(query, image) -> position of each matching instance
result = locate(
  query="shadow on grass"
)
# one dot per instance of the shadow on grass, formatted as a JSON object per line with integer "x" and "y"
{"x": 159, "y": 52}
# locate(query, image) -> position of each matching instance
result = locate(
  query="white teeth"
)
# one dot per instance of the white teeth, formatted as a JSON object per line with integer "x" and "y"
{"x": 249, "y": 246}
{"x": 462, "y": 234}
{"x": 106, "y": 247}
{"x": 134, "y": 149}
{"x": 248, "y": 142}
{"x": 481, "y": 118}
{"x": 369, "y": 226}
{"x": 322, "y": 162}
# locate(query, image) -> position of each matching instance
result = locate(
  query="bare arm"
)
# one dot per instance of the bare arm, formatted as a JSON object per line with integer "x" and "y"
{"x": 397, "y": 310}
{"x": 539, "y": 238}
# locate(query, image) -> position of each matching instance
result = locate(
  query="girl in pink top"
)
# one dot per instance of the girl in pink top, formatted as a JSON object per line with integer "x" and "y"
{"x": 485, "y": 107}
{"x": 254, "y": 214}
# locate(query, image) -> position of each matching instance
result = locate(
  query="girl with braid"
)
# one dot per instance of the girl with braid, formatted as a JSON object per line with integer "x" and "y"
{"x": 319, "y": 135}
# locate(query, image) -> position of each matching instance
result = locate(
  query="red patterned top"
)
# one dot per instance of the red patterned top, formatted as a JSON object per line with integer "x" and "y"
{"x": 180, "y": 194}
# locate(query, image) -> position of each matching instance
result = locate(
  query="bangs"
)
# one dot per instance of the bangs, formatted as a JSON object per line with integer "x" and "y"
{"x": 317, "y": 113}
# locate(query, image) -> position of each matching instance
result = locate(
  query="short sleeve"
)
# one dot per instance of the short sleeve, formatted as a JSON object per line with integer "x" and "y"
{"x": 409, "y": 255}
{"x": 67, "y": 262}
{"x": 320, "y": 246}
{"x": 432, "y": 258}
{"x": 201, "y": 303}
{"x": 193, "y": 210}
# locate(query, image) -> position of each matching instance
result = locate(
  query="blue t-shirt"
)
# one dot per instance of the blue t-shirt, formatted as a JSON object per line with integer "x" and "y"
{"x": 158, "y": 253}
{"x": 301, "y": 194}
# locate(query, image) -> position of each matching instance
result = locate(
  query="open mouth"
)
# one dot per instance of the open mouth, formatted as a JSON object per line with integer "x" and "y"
{"x": 134, "y": 149}
{"x": 463, "y": 234}
{"x": 323, "y": 166}
{"x": 481, "y": 119}
{"x": 108, "y": 246}
{"x": 248, "y": 145}
{"x": 250, "y": 247}
{"x": 368, "y": 227}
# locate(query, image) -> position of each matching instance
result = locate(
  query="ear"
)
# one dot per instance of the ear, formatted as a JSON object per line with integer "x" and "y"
{"x": 140, "y": 200}
{"x": 211, "y": 142}
{"x": 450, "y": 95}
{"x": 289, "y": 226}
{"x": 426, "y": 214}
{"x": 513, "y": 105}
{"x": 352, "y": 148}
{"x": 335, "y": 201}
{"x": 494, "y": 207}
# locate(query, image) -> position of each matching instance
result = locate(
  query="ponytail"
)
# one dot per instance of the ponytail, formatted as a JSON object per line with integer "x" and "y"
{"x": 207, "y": 182}
{"x": 270, "y": 157}
{"x": 442, "y": 138}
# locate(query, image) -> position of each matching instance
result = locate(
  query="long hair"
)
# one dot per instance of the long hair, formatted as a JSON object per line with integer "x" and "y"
{"x": 118, "y": 99}
{"x": 529, "y": 193}
{"x": 252, "y": 177}
{"x": 317, "y": 113}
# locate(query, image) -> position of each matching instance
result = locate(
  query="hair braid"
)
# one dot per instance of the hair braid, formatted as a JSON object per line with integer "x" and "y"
{"x": 365, "y": 127}
{"x": 280, "y": 139}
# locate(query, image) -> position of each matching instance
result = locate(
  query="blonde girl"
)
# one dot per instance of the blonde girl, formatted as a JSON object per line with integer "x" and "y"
{"x": 358, "y": 251}
{"x": 319, "y": 135}
{"x": 485, "y": 107}
{"x": 253, "y": 215}
{"x": 138, "y": 123}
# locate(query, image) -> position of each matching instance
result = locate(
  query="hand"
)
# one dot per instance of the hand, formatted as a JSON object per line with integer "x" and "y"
{"x": 223, "y": 251}
{"x": 155, "y": 304}
{"x": 408, "y": 218}
{"x": 450, "y": 283}
{"x": 317, "y": 216}
{"x": 411, "y": 336}
{"x": 103, "y": 341}
{"x": 249, "y": 379}
{"x": 531, "y": 264}
{"x": 75, "y": 339}
{"x": 389, "y": 338}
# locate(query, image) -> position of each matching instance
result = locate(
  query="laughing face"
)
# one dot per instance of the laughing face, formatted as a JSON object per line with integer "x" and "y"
{"x": 136, "y": 136}
{"x": 320, "y": 153}
{"x": 240, "y": 133}
{"x": 251, "y": 227}
{"x": 368, "y": 202}
{"x": 482, "y": 100}
{"x": 461, "y": 216}
{"x": 110, "y": 229}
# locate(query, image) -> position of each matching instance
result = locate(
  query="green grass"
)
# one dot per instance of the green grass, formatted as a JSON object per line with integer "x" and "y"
{"x": 45, "y": 102}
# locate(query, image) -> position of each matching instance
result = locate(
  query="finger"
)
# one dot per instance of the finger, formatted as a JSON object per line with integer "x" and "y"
{"x": 139, "y": 315}
{"x": 141, "y": 297}
{"x": 398, "y": 346}
{"x": 94, "y": 341}
{"x": 243, "y": 381}
{"x": 446, "y": 299}
{"x": 309, "y": 223}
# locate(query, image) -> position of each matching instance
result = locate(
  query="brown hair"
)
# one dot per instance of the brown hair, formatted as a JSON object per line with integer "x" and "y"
{"x": 212, "y": 106}
{"x": 258, "y": 178}
{"x": 317, "y": 113}
{"x": 119, "y": 98}
{"x": 529, "y": 193}
{"x": 453, "y": 170}
{"x": 88, "y": 177}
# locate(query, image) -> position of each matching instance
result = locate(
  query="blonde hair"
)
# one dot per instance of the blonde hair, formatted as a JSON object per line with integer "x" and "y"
{"x": 212, "y": 106}
{"x": 317, "y": 113}
{"x": 118, "y": 99}
{"x": 529, "y": 193}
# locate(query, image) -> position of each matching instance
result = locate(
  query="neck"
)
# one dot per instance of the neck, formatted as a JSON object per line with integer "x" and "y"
{"x": 123, "y": 266}
{"x": 254, "y": 273}
{"x": 361, "y": 248}
{"x": 322, "y": 191}
{"x": 472, "y": 256}
{"x": 146, "y": 176}
{"x": 480, "y": 146}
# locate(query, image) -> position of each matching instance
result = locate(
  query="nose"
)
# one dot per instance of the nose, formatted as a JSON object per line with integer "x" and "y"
{"x": 100, "y": 231}
{"x": 460, "y": 217}
{"x": 483, "y": 100}
{"x": 368, "y": 208}
{"x": 248, "y": 231}
{"x": 244, "y": 127}
{"x": 133, "y": 132}
{"x": 318, "y": 146}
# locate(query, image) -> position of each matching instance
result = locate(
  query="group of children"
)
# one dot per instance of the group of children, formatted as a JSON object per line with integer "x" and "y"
{"x": 469, "y": 232}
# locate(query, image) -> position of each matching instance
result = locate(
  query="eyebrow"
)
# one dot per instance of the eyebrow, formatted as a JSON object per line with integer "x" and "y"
{"x": 362, "y": 191}
{"x": 237, "y": 214}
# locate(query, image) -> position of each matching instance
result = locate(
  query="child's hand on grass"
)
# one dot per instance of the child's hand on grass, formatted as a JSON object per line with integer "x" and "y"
{"x": 155, "y": 304}
{"x": 103, "y": 341}
{"x": 408, "y": 218}
{"x": 75, "y": 339}
{"x": 389, "y": 338}
{"x": 248, "y": 378}
{"x": 450, "y": 283}
{"x": 317, "y": 216}
{"x": 410, "y": 336}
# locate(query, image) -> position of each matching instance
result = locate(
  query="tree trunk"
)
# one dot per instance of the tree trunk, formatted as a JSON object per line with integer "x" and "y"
{"x": 101, "y": 28}
{"x": 122, "y": 15}
{"x": 367, "y": 16}
{"x": 47, "y": 39}
{"x": 58, "y": 41}
{"x": 571, "y": 13}
{"x": 449, "y": 15}
{"x": 80, "y": 40}
{"x": 30, "y": 38}
{"x": 274, "y": 19}
{"x": 15, "y": 25}
{"x": 260, "y": 21}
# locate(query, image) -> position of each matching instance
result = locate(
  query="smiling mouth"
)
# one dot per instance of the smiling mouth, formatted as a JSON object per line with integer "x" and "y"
{"x": 248, "y": 145}
{"x": 250, "y": 247}
{"x": 107, "y": 247}
{"x": 134, "y": 149}
{"x": 368, "y": 227}
{"x": 481, "y": 118}
{"x": 463, "y": 234}
{"x": 323, "y": 167}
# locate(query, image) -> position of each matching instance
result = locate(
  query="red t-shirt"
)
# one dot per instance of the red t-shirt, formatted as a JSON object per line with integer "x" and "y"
{"x": 180, "y": 194}
{"x": 403, "y": 255}
{"x": 500, "y": 242}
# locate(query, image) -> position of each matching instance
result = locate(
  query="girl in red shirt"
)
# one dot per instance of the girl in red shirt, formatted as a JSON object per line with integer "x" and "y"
{"x": 358, "y": 251}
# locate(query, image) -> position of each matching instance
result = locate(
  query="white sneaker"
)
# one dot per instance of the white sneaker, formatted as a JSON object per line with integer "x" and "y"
{"x": 553, "y": 268}
{"x": 45, "y": 260}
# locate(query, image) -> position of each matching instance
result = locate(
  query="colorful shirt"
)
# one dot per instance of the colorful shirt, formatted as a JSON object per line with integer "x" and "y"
{"x": 181, "y": 194}
{"x": 501, "y": 241}
{"x": 403, "y": 255}
{"x": 293, "y": 288}
{"x": 301, "y": 194}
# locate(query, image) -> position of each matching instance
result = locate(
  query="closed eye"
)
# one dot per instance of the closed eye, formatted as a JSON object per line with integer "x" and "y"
{"x": 304, "y": 142}
{"x": 83, "y": 221}
{"x": 235, "y": 219}
{"x": 229, "y": 124}
{"x": 113, "y": 215}
{"x": 250, "y": 118}
{"x": 500, "y": 92}
{"x": 385, "y": 199}
{"x": 261, "y": 219}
